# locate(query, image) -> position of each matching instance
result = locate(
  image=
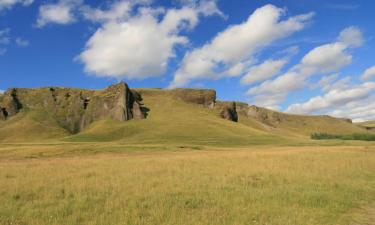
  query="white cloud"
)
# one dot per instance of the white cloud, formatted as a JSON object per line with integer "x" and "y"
{"x": 138, "y": 46}
{"x": 237, "y": 44}
{"x": 2, "y": 91}
{"x": 209, "y": 8}
{"x": 368, "y": 74}
{"x": 351, "y": 36}
{"x": 119, "y": 10}
{"x": 359, "y": 111}
{"x": 327, "y": 58}
{"x": 8, "y": 4}
{"x": 340, "y": 84}
{"x": 332, "y": 99}
{"x": 323, "y": 59}
{"x": 325, "y": 82}
{"x": 22, "y": 42}
{"x": 276, "y": 90}
{"x": 264, "y": 71}
{"x": 62, "y": 12}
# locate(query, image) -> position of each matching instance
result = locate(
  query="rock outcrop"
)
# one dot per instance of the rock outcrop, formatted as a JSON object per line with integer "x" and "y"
{"x": 74, "y": 109}
{"x": 205, "y": 97}
{"x": 265, "y": 116}
{"x": 227, "y": 110}
{"x": 10, "y": 105}
{"x": 346, "y": 120}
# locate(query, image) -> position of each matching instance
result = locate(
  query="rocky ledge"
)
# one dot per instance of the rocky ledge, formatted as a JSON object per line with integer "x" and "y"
{"x": 74, "y": 109}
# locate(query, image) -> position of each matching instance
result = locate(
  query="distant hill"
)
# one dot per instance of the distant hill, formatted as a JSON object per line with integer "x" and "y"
{"x": 368, "y": 125}
{"x": 151, "y": 116}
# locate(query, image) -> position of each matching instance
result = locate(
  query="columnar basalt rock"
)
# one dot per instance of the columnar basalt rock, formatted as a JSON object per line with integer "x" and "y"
{"x": 74, "y": 109}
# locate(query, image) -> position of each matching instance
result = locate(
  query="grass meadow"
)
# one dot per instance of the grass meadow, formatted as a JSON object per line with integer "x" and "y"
{"x": 104, "y": 183}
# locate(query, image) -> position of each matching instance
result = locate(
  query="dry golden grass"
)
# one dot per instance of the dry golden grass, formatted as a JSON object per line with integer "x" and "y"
{"x": 256, "y": 185}
{"x": 183, "y": 165}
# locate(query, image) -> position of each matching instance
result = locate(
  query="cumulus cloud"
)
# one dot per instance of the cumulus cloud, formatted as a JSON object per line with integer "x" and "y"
{"x": 8, "y": 4}
{"x": 351, "y": 36}
{"x": 206, "y": 7}
{"x": 323, "y": 59}
{"x": 368, "y": 74}
{"x": 327, "y": 58}
{"x": 276, "y": 90}
{"x": 264, "y": 71}
{"x": 331, "y": 82}
{"x": 336, "y": 100}
{"x": 62, "y": 12}
{"x": 119, "y": 10}
{"x": 138, "y": 46}
{"x": 325, "y": 82}
{"x": 359, "y": 111}
{"x": 233, "y": 49}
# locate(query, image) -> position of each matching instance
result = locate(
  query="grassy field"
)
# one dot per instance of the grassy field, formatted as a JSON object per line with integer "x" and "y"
{"x": 108, "y": 183}
{"x": 185, "y": 165}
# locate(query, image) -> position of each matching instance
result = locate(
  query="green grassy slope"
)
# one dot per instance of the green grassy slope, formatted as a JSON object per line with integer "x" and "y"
{"x": 173, "y": 121}
{"x": 298, "y": 125}
{"x": 31, "y": 126}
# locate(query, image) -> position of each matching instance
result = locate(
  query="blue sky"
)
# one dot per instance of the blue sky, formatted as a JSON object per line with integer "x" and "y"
{"x": 298, "y": 56}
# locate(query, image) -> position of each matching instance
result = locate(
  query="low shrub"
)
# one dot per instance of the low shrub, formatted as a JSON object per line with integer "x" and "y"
{"x": 360, "y": 137}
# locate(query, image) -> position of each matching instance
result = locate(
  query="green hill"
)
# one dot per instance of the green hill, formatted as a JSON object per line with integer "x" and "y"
{"x": 31, "y": 126}
{"x": 295, "y": 125}
{"x": 182, "y": 117}
{"x": 171, "y": 120}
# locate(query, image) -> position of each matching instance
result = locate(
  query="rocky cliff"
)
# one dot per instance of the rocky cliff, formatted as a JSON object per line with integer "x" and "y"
{"x": 74, "y": 109}
{"x": 228, "y": 110}
{"x": 205, "y": 97}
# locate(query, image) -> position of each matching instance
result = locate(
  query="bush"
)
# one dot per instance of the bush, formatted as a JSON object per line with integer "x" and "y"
{"x": 360, "y": 137}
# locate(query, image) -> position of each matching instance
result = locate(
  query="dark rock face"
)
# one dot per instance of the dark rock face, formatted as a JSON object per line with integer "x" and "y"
{"x": 228, "y": 110}
{"x": 346, "y": 120}
{"x": 11, "y": 105}
{"x": 205, "y": 97}
{"x": 74, "y": 109}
